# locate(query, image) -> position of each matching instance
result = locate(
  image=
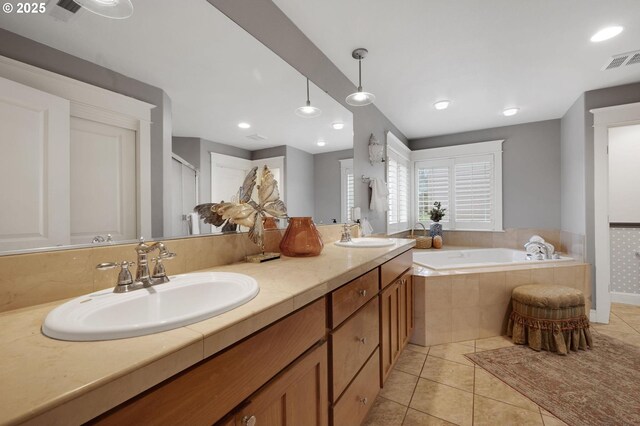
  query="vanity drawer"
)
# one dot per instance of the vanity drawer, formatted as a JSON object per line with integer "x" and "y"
{"x": 352, "y": 344}
{"x": 395, "y": 267}
{"x": 350, "y": 297}
{"x": 357, "y": 400}
{"x": 206, "y": 392}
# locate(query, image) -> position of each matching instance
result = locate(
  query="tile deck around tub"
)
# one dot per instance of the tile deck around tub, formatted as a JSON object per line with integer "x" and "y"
{"x": 437, "y": 385}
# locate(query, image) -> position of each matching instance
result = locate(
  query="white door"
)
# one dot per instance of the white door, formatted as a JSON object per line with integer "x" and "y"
{"x": 34, "y": 168}
{"x": 184, "y": 196}
{"x": 103, "y": 181}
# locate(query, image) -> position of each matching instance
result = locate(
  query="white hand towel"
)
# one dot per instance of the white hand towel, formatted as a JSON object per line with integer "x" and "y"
{"x": 379, "y": 194}
{"x": 194, "y": 223}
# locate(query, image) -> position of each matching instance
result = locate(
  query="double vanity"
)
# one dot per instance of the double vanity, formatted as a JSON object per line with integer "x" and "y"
{"x": 309, "y": 339}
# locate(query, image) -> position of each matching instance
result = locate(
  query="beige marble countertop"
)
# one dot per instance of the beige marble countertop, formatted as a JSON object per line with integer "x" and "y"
{"x": 53, "y": 382}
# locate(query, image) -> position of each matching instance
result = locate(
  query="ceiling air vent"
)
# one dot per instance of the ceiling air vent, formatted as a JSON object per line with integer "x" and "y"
{"x": 257, "y": 137}
{"x": 622, "y": 60}
{"x": 69, "y": 5}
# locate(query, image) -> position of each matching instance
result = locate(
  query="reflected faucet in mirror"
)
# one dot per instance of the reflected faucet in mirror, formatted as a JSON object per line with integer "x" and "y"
{"x": 143, "y": 278}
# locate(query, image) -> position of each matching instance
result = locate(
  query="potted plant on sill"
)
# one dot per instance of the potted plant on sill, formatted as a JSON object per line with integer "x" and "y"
{"x": 436, "y": 214}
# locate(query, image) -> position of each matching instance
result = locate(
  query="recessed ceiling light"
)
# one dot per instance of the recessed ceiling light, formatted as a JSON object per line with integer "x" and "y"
{"x": 606, "y": 33}
{"x": 508, "y": 112}
{"x": 321, "y": 143}
{"x": 442, "y": 104}
{"x": 244, "y": 125}
{"x": 337, "y": 125}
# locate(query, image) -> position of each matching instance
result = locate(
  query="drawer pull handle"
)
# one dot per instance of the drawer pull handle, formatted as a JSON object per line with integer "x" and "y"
{"x": 362, "y": 293}
{"x": 362, "y": 340}
{"x": 249, "y": 421}
{"x": 363, "y": 400}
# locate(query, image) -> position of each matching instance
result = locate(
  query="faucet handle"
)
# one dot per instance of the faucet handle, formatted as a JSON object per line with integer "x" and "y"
{"x": 107, "y": 265}
{"x": 167, "y": 256}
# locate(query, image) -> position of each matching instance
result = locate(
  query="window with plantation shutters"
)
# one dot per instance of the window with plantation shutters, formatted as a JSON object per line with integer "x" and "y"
{"x": 398, "y": 184}
{"x": 474, "y": 192}
{"x": 468, "y": 183}
{"x": 433, "y": 182}
{"x": 346, "y": 190}
{"x": 350, "y": 195}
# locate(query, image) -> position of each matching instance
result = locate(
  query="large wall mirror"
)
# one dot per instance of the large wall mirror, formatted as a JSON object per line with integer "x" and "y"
{"x": 116, "y": 129}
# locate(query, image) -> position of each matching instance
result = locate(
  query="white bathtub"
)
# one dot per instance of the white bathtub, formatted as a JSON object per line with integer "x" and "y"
{"x": 475, "y": 258}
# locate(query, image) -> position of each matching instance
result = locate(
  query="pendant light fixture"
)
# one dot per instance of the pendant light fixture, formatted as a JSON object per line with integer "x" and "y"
{"x": 360, "y": 98}
{"x": 308, "y": 111}
{"x": 115, "y": 9}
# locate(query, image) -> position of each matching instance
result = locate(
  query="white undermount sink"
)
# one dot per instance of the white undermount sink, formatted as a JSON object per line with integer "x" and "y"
{"x": 367, "y": 242}
{"x": 184, "y": 300}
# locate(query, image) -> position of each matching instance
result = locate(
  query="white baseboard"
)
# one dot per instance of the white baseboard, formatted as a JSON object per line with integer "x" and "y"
{"x": 626, "y": 298}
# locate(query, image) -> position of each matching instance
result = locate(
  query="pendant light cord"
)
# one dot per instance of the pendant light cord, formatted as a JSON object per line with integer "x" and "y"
{"x": 359, "y": 74}
{"x": 308, "y": 100}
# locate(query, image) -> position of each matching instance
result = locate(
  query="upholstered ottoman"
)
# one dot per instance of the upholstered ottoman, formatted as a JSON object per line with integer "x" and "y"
{"x": 549, "y": 317}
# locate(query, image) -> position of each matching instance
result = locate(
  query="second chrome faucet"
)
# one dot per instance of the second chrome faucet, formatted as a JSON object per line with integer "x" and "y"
{"x": 143, "y": 279}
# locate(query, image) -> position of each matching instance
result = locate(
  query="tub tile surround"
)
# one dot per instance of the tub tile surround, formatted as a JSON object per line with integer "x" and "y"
{"x": 79, "y": 380}
{"x": 466, "y": 304}
{"x": 35, "y": 278}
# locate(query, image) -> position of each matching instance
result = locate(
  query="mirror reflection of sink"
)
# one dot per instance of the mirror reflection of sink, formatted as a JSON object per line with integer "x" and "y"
{"x": 184, "y": 300}
{"x": 367, "y": 243}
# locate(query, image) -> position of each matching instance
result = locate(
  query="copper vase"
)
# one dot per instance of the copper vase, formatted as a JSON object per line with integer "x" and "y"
{"x": 301, "y": 239}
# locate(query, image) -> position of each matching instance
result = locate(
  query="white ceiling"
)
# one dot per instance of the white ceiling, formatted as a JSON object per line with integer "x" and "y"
{"x": 215, "y": 73}
{"x": 484, "y": 56}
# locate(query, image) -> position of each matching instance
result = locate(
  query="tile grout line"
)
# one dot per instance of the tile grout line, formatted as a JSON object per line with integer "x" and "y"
{"x": 628, "y": 325}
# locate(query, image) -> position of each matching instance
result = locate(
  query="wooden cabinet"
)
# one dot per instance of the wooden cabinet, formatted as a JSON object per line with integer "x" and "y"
{"x": 297, "y": 396}
{"x": 287, "y": 374}
{"x": 396, "y": 321}
{"x": 206, "y": 392}
{"x": 352, "y": 344}
{"x": 356, "y": 401}
{"x": 348, "y": 298}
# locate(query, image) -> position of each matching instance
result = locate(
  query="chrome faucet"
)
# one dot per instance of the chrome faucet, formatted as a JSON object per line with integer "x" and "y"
{"x": 143, "y": 278}
{"x": 346, "y": 232}
{"x": 542, "y": 248}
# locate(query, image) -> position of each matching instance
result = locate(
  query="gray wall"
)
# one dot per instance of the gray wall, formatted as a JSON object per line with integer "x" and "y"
{"x": 327, "y": 191}
{"x": 618, "y": 95}
{"x": 276, "y": 151}
{"x": 287, "y": 41}
{"x": 39, "y": 55}
{"x": 298, "y": 169}
{"x": 572, "y": 182}
{"x": 530, "y": 170}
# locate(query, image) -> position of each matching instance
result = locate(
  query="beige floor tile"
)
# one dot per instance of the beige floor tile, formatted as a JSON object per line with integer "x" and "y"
{"x": 493, "y": 343}
{"x": 399, "y": 387}
{"x": 491, "y": 387}
{"x": 491, "y": 413}
{"x": 448, "y": 373}
{"x": 418, "y": 348}
{"x": 417, "y": 418}
{"x": 470, "y": 343}
{"x": 552, "y": 421}
{"x": 443, "y": 401}
{"x": 632, "y": 338}
{"x": 411, "y": 362}
{"x": 385, "y": 413}
{"x": 452, "y": 352}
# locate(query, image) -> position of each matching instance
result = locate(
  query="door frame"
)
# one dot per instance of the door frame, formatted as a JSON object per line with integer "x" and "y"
{"x": 603, "y": 120}
{"x": 103, "y": 106}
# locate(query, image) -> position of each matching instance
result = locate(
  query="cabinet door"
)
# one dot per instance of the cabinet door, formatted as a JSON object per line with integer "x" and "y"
{"x": 297, "y": 396}
{"x": 389, "y": 336}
